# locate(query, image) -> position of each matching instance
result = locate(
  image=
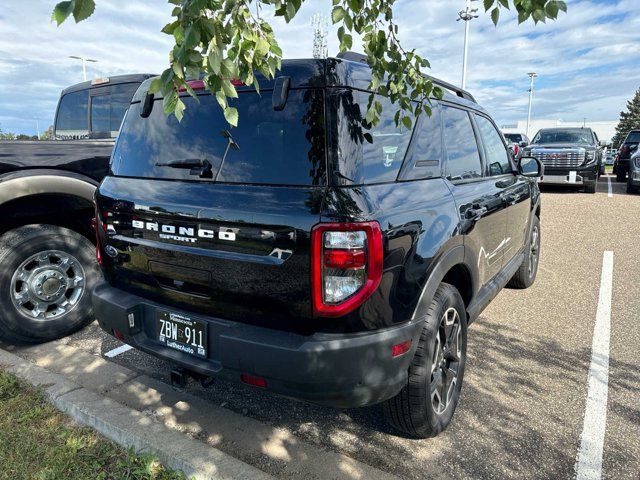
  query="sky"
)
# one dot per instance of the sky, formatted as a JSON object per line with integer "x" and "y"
{"x": 588, "y": 61}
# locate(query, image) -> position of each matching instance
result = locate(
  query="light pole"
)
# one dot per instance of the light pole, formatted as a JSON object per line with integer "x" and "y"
{"x": 532, "y": 75}
{"x": 84, "y": 64}
{"x": 37, "y": 126}
{"x": 466, "y": 16}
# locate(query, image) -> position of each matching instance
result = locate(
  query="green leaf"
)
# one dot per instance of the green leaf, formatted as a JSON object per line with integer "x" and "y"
{"x": 215, "y": 61}
{"x": 228, "y": 89}
{"x": 406, "y": 121}
{"x": 62, "y": 11}
{"x": 488, "y": 4}
{"x": 83, "y": 9}
{"x": 156, "y": 85}
{"x": 337, "y": 14}
{"x": 179, "y": 110}
{"x": 552, "y": 9}
{"x": 495, "y": 15}
{"x": 231, "y": 116}
{"x": 177, "y": 69}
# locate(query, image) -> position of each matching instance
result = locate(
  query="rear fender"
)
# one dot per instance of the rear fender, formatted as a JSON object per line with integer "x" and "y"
{"x": 454, "y": 256}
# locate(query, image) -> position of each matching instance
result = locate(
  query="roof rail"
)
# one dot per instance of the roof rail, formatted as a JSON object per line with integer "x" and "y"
{"x": 359, "y": 57}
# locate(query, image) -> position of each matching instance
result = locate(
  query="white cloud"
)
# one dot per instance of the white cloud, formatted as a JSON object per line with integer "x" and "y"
{"x": 588, "y": 61}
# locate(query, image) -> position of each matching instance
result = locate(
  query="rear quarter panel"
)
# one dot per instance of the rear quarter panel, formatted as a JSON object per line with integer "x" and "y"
{"x": 420, "y": 223}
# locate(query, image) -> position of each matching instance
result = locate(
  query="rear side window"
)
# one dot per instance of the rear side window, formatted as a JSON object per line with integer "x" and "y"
{"x": 633, "y": 137}
{"x": 270, "y": 147}
{"x": 495, "y": 150}
{"x": 367, "y": 156}
{"x": 107, "y": 110}
{"x": 463, "y": 157}
{"x": 72, "y": 117}
{"x": 424, "y": 158}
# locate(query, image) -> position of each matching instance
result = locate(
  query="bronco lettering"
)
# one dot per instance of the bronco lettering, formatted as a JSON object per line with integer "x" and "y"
{"x": 184, "y": 234}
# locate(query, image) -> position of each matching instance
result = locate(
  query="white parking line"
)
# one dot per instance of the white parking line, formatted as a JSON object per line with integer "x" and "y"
{"x": 117, "y": 351}
{"x": 610, "y": 190}
{"x": 589, "y": 461}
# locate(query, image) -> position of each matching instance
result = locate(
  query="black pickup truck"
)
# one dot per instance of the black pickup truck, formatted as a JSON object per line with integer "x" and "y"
{"x": 47, "y": 264}
{"x": 571, "y": 156}
{"x": 305, "y": 254}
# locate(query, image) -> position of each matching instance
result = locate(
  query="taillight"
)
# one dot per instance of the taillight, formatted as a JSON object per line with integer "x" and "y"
{"x": 346, "y": 266}
{"x": 516, "y": 149}
{"x": 194, "y": 84}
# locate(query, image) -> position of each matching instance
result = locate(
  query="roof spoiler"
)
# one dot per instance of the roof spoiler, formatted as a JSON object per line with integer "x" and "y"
{"x": 359, "y": 57}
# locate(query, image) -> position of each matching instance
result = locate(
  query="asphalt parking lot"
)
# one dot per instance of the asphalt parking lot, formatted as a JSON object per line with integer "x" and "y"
{"x": 522, "y": 410}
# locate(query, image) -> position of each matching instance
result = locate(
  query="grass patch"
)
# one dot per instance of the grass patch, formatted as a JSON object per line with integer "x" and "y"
{"x": 39, "y": 442}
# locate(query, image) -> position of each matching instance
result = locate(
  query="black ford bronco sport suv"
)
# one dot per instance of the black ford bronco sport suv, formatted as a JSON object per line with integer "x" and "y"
{"x": 304, "y": 254}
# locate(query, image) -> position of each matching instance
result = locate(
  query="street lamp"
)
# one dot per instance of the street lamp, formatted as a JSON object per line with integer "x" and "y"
{"x": 466, "y": 16}
{"x": 37, "y": 126}
{"x": 84, "y": 64}
{"x": 532, "y": 75}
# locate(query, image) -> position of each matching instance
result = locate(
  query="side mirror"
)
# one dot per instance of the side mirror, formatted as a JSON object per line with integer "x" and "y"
{"x": 530, "y": 167}
{"x": 524, "y": 144}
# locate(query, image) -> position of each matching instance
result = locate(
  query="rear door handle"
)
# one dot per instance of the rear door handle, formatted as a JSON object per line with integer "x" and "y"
{"x": 475, "y": 212}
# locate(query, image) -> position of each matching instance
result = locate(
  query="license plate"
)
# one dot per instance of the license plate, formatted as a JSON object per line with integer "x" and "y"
{"x": 182, "y": 333}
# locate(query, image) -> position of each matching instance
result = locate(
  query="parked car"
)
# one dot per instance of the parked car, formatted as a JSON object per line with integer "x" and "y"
{"x": 627, "y": 148}
{"x": 633, "y": 179}
{"x": 47, "y": 259}
{"x": 610, "y": 156}
{"x": 306, "y": 255}
{"x": 571, "y": 156}
{"x": 517, "y": 141}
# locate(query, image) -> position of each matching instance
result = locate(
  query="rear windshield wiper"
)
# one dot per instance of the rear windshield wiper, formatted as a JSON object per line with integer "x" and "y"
{"x": 198, "y": 166}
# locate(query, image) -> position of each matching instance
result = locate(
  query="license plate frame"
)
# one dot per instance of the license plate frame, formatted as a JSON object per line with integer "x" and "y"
{"x": 182, "y": 333}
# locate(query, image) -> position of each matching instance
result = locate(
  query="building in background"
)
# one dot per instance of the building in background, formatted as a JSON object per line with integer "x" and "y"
{"x": 605, "y": 130}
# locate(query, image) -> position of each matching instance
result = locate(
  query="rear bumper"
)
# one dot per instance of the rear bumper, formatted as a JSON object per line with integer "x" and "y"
{"x": 340, "y": 370}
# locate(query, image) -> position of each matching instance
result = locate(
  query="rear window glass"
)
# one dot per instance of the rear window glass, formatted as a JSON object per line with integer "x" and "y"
{"x": 513, "y": 137}
{"x": 72, "y": 119}
{"x": 271, "y": 147}
{"x": 358, "y": 160}
{"x": 108, "y": 109}
{"x": 633, "y": 137}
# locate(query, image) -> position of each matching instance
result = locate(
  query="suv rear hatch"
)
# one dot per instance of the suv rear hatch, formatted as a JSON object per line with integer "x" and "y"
{"x": 217, "y": 220}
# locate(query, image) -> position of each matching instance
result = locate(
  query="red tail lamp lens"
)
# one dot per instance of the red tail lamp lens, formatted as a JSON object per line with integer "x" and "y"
{"x": 344, "y": 258}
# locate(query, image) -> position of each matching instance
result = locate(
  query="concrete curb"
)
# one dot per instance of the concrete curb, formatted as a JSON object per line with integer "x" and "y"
{"x": 130, "y": 428}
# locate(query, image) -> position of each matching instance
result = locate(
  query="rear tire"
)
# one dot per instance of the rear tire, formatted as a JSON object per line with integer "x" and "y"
{"x": 526, "y": 274}
{"x": 630, "y": 187}
{"x": 621, "y": 175}
{"x": 46, "y": 277}
{"x": 426, "y": 404}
